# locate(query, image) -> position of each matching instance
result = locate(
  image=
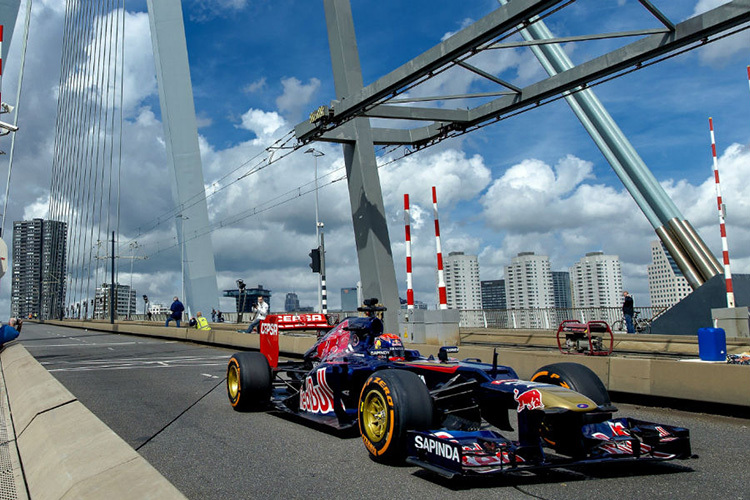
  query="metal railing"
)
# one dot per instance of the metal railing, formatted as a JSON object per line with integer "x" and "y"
{"x": 543, "y": 318}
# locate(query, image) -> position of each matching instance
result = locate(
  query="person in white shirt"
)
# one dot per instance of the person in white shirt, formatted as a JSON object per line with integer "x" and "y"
{"x": 261, "y": 310}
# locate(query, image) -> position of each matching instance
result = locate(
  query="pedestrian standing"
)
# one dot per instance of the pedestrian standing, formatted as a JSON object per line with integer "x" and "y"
{"x": 628, "y": 310}
{"x": 176, "y": 315}
{"x": 261, "y": 309}
{"x": 213, "y": 315}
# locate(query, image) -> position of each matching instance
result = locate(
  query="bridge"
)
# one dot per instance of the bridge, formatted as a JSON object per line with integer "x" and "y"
{"x": 178, "y": 418}
{"x": 85, "y": 169}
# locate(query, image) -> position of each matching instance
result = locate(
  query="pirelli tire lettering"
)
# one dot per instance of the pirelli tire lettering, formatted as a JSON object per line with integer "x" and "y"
{"x": 391, "y": 403}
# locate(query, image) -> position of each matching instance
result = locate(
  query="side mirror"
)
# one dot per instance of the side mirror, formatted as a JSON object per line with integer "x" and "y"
{"x": 445, "y": 350}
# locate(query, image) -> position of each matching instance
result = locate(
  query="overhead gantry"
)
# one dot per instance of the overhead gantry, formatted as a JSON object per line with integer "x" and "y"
{"x": 346, "y": 119}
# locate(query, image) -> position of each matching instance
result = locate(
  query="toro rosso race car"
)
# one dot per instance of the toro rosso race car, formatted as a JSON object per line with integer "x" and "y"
{"x": 442, "y": 414}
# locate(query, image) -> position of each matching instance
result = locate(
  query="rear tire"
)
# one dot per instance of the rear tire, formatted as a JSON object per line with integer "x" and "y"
{"x": 391, "y": 403}
{"x": 248, "y": 381}
{"x": 575, "y": 377}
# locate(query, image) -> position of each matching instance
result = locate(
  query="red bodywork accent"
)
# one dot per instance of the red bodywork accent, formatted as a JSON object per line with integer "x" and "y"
{"x": 300, "y": 321}
{"x": 434, "y": 367}
{"x": 269, "y": 340}
{"x": 335, "y": 343}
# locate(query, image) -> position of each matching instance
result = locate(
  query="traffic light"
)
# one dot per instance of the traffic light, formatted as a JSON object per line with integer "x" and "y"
{"x": 315, "y": 256}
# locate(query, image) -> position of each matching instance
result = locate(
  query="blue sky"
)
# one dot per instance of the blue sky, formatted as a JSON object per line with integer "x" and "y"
{"x": 535, "y": 182}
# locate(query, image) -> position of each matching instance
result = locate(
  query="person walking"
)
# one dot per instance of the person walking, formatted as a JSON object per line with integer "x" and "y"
{"x": 627, "y": 311}
{"x": 176, "y": 315}
{"x": 261, "y": 310}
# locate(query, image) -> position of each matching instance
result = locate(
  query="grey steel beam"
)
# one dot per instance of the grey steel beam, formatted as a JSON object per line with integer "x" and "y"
{"x": 376, "y": 269}
{"x": 690, "y": 31}
{"x": 657, "y": 14}
{"x": 488, "y": 76}
{"x": 8, "y": 15}
{"x": 183, "y": 153}
{"x": 627, "y": 164}
{"x": 463, "y": 42}
{"x": 693, "y": 30}
{"x": 423, "y": 114}
{"x": 579, "y": 38}
{"x": 384, "y": 136}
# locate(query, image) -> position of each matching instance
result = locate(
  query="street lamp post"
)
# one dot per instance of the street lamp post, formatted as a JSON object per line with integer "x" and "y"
{"x": 318, "y": 225}
{"x": 241, "y": 302}
{"x": 183, "y": 218}
{"x": 133, "y": 246}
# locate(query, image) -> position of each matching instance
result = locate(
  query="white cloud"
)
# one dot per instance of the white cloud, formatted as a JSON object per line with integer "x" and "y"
{"x": 262, "y": 123}
{"x": 455, "y": 177}
{"x": 297, "y": 96}
{"x": 256, "y": 86}
{"x": 205, "y": 10}
{"x": 37, "y": 209}
{"x": 720, "y": 52}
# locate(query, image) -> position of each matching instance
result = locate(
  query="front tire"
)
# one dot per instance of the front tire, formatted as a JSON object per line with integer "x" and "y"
{"x": 619, "y": 326}
{"x": 248, "y": 381}
{"x": 391, "y": 403}
{"x": 575, "y": 377}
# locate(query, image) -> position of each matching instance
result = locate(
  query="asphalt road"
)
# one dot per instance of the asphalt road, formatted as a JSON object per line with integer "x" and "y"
{"x": 168, "y": 400}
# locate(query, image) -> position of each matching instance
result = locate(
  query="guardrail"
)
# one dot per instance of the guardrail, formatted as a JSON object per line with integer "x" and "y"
{"x": 545, "y": 318}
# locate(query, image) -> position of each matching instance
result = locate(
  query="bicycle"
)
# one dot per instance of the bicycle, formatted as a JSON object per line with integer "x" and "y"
{"x": 641, "y": 325}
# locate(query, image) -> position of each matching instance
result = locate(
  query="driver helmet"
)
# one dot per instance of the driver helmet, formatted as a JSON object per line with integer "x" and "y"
{"x": 393, "y": 343}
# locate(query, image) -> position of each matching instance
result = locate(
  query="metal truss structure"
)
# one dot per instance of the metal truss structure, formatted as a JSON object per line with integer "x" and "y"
{"x": 346, "y": 120}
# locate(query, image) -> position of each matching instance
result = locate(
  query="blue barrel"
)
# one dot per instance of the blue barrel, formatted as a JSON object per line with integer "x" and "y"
{"x": 712, "y": 344}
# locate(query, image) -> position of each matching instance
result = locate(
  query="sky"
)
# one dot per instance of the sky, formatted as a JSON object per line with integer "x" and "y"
{"x": 535, "y": 182}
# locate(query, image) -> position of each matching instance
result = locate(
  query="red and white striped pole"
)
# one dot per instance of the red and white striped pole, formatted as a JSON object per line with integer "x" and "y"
{"x": 407, "y": 229}
{"x": 442, "y": 295}
{"x": 722, "y": 225}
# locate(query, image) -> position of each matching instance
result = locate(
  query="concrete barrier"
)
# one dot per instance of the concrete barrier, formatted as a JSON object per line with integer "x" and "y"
{"x": 65, "y": 450}
{"x": 682, "y": 379}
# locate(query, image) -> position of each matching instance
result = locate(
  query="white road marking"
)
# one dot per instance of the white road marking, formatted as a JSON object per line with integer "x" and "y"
{"x": 137, "y": 363}
{"x": 209, "y": 375}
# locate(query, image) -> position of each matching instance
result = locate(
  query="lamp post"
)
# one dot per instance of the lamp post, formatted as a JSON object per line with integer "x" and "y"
{"x": 182, "y": 218}
{"x": 241, "y": 302}
{"x": 318, "y": 225}
{"x": 133, "y": 246}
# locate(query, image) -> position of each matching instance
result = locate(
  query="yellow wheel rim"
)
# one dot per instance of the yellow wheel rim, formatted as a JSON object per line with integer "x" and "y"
{"x": 233, "y": 381}
{"x": 374, "y": 416}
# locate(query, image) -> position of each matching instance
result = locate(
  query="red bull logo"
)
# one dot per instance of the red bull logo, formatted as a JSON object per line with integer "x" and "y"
{"x": 528, "y": 400}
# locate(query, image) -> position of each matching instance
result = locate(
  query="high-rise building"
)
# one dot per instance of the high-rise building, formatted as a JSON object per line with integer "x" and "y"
{"x": 38, "y": 276}
{"x": 124, "y": 301}
{"x": 462, "y": 285}
{"x": 596, "y": 281}
{"x": 291, "y": 303}
{"x": 493, "y": 294}
{"x": 666, "y": 283}
{"x": 561, "y": 289}
{"x": 349, "y": 300}
{"x": 528, "y": 282}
